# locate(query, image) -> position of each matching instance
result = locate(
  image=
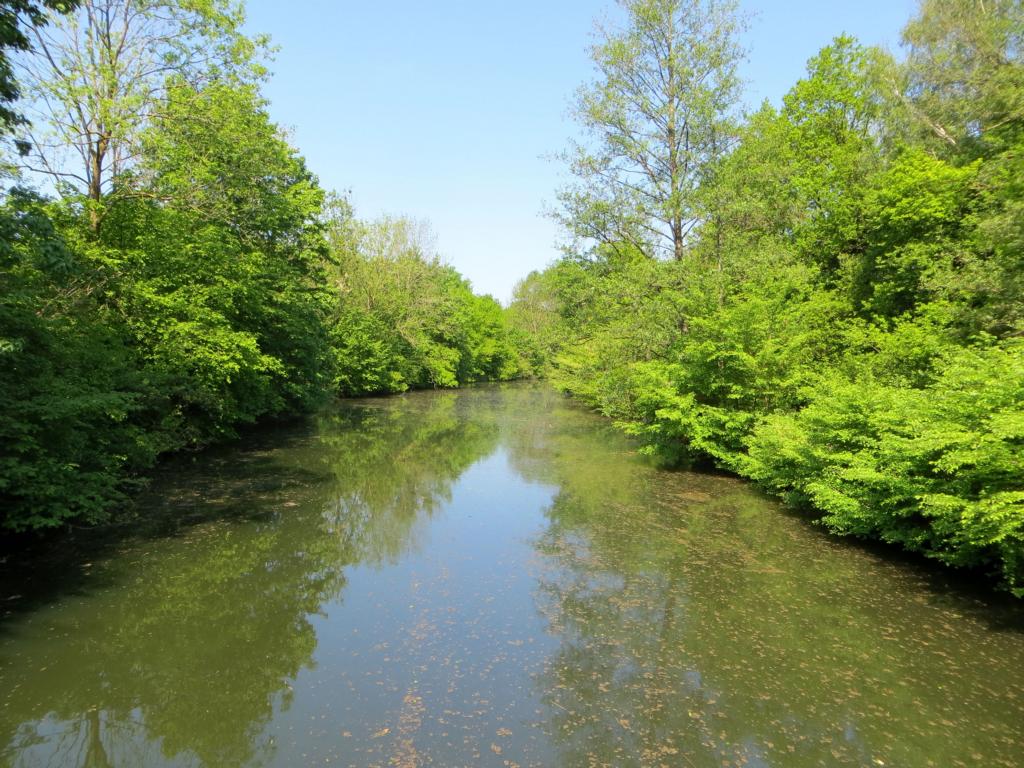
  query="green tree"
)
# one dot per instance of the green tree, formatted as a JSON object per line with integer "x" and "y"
{"x": 200, "y": 304}
{"x": 964, "y": 70}
{"x": 660, "y": 111}
{"x": 69, "y": 387}
{"x": 403, "y": 318}
{"x": 98, "y": 77}
{"x": 226, "y": 258}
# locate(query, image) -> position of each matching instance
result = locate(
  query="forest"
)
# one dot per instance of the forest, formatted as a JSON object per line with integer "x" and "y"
{"x": 185, "y": 274}
{"x": 825, "y": 296}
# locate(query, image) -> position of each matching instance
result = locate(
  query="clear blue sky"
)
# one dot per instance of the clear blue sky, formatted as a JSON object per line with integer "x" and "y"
{"x": 445, "y": 110}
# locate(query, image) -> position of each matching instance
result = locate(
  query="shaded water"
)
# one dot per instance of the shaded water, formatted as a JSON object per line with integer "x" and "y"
{"x": 491, "y": 577}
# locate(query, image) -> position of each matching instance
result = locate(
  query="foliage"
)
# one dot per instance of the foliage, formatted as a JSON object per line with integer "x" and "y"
{"x": 755, "y": 354}
{"x": 964, "y": 71}
{"x": 404, "y": 319}
{"x": 935, "y": 469}
{"x": 844, "y": 325}
{"x": 100, "y": 75}
{"x": 18, "y": 20}
{"x": 68, "y": 387}
{"x": 657, "y": 116}
{"x": 217, "y": 291}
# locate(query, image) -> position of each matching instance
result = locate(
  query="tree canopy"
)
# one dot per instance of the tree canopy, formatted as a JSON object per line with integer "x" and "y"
{"x": 845, "y": 328}
{"x": 195, "y": 276}
{"x": 660, "y": 111}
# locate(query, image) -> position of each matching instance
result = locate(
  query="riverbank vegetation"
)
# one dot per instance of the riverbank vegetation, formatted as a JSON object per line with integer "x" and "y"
{"x": 825, "y": 296}
{"x": 169, "y": 266}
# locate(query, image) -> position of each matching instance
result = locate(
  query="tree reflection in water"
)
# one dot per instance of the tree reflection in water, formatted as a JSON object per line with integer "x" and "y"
{"x": 350, "y": 590}
{"x": 701, "y": 626}
{"x": 180, "y": 649}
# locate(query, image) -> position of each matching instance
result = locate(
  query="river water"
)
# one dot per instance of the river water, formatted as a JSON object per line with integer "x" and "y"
{"x": 491, "y": 577}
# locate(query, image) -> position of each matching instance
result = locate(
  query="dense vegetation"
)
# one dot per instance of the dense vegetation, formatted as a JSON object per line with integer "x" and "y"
{"x": 828, "y": 296}
{"x": 405, "y": 320}
{"x": 187, "y": 274}
{"x": 825, "y": 296}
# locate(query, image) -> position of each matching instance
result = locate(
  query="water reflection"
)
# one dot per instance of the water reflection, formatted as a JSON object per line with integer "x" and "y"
{"x": 491, "y": 577}
{"x": 392, "y": 463}
{"x": 701, "y": 627}
{"x": 180, "y": 650}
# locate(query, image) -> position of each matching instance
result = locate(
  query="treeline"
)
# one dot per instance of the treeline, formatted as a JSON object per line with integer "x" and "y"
{"x": 187, "y": 274}
{"x": 404, "y": 320}
{"x": 826, "y": 297}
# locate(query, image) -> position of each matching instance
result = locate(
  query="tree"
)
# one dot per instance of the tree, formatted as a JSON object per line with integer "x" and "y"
{"x": 99, "y": 76}
{"x": 659, "y": 112}
{"x": 403, "y": 319}
{"x": 17, "y": 19}
{"x": 798, "y": 176}
{"x": 230, "y": 297}
{"x": 965, "y": 74}
{"x": 68, "y": 387}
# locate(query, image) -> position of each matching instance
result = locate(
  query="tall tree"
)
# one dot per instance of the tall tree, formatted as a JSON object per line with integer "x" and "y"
{"x": 660, "y": 110}
{"x": 99, "y": 75}
{"x": 231, "y": 290}
{"x": 965, "y": 86}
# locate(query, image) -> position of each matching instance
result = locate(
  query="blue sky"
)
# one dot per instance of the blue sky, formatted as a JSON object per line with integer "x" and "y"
{"x": 446, "y": 110}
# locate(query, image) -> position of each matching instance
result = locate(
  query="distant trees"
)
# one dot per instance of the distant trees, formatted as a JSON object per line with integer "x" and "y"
{"x": 659, "y": 113}
{"x": 406, "y": 320}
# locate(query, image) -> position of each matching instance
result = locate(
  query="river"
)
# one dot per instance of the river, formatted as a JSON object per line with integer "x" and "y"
{"x": 490, "y": 577}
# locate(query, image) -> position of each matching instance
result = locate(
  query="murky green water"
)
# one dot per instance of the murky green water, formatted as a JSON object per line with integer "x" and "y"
{"x": 491, "y": 578}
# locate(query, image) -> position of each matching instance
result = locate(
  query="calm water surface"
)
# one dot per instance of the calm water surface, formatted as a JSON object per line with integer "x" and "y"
{"x": 491, "y": 578}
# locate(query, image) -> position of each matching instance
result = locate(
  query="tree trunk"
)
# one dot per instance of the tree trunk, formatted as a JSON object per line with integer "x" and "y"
{"x": 98, "y": 153}
{"x": 677, "y": 238}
